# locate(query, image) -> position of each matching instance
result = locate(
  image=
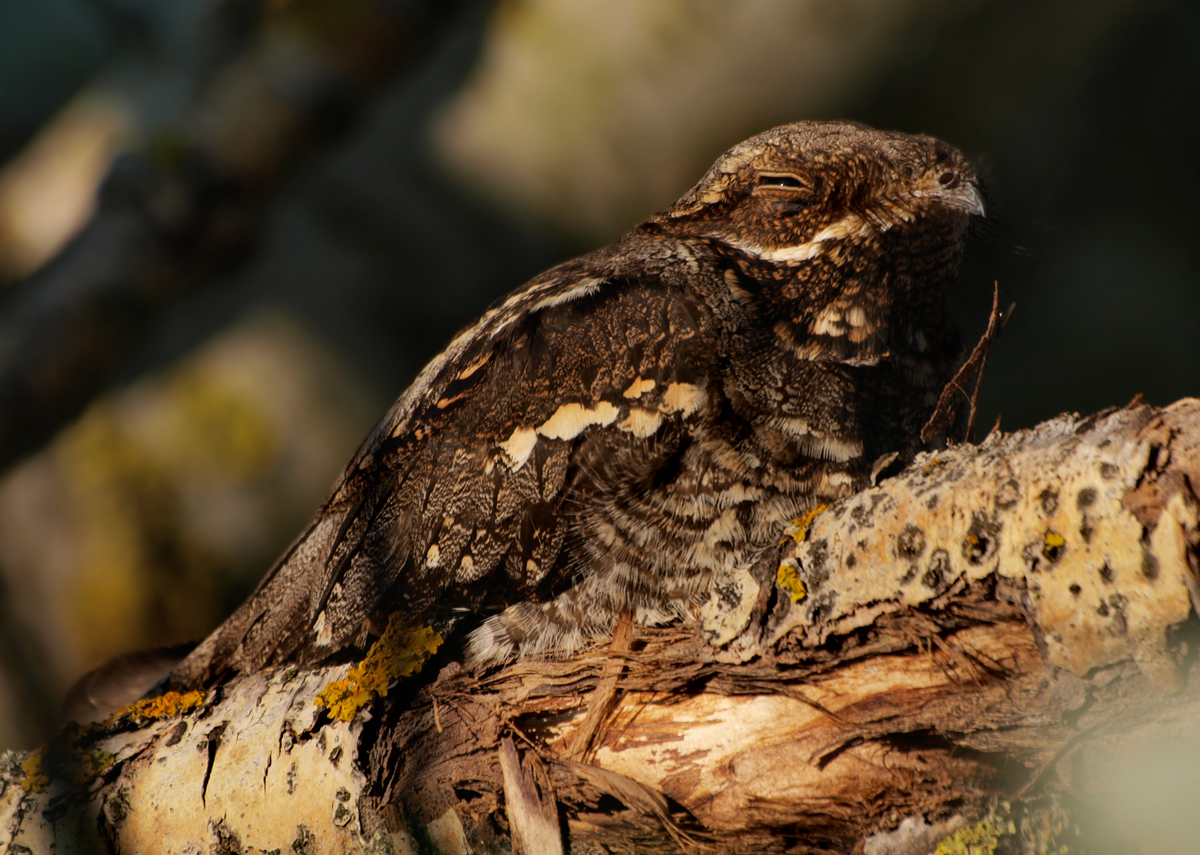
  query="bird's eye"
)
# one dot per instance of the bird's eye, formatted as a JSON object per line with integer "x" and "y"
{"x": 783, "y": 180}
{"x": 948, "y": 180}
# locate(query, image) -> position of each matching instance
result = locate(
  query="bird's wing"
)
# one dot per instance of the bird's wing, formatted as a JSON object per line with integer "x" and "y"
{"x": 459, "y": 492}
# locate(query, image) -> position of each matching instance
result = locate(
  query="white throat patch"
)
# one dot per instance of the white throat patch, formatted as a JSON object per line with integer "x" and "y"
{"x": 852, "y": 225}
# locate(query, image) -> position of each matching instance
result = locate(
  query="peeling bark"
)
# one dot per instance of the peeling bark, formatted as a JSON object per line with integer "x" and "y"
{"x": 970, "y": 641}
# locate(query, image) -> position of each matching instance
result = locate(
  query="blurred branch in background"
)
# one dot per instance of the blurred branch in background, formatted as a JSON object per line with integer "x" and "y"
{"x": 266, "y": 87}
{"x": 146, "y": 520}
{"x": 33, "y": 693}
{"x": 48, "y": 191}
{"x": 143, "y": 522}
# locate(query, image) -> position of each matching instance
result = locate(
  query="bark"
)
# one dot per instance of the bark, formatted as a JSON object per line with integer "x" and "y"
{"x": 948, "y": 656}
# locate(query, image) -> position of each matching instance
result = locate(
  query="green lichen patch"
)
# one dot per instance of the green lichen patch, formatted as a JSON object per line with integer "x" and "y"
{"x": 982, "y": 837}
{"x": 401, "y": 651}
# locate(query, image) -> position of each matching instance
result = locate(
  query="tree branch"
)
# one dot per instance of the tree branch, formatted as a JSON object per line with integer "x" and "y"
{"x": 968, "y": 641}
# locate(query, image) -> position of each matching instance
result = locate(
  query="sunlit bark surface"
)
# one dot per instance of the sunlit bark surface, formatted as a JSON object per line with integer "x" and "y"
{"x": 955, "y": 655}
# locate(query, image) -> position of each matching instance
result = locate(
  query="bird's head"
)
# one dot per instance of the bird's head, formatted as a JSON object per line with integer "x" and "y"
{"x": 846, "y": 235}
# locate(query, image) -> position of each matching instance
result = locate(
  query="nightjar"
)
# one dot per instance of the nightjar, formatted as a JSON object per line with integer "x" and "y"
{"x": 634, "y": 425}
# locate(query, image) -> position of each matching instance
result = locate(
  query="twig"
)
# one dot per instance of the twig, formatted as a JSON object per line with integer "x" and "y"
{"x": 530, "y": 803}
{"x": 995, "y": 428}
{"x": 604, "y": 697}
{"x": 943, "y": 414}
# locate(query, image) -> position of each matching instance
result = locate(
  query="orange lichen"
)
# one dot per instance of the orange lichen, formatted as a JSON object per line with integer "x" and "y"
{"x": 798, "y": 530}
{"x": 401, "y": 651}
{"x": 167, "y": 705}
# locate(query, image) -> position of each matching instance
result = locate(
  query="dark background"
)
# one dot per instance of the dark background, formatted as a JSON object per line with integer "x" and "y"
{"x": 182, "y": 377}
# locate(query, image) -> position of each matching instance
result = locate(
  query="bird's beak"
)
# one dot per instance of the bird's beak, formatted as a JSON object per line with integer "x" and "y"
{"x": 965, "y": 196}
{"x": 969, "y": 198}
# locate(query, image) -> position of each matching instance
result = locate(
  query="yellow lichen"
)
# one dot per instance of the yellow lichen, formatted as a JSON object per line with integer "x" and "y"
{"x": 970, "y": 545}
{"x": 980, "y": 838}
{"x": 91, "y": 762}
{"x": 69, "y": 762}
{"x": 72, "y": 755}
{"x": 36, "y": 778}
{"x": 400, "y": 652}
{"x": 1053, "y": 545}
{"x": 798, "y": 530}
{"x": 166, "y": 705}
{"x": 934, "y": 463}
{"x": 789, "y": 579}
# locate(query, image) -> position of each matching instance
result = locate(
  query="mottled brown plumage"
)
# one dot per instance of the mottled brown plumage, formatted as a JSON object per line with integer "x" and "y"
{"x": 635, "y": 425}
